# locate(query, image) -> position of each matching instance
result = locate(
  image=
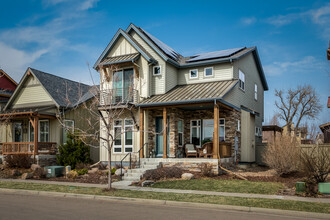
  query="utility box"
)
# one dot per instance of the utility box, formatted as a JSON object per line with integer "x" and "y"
{"x": 54, "y": 171}
{"x": 324, "y": 188}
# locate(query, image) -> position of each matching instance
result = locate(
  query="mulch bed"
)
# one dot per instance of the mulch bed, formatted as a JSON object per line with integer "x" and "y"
{"x": 95, "y": 178}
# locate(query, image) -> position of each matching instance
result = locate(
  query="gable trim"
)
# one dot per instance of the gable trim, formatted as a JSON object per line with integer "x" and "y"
{"x": 119, "y": 33}
{"x": 21, "y": 85}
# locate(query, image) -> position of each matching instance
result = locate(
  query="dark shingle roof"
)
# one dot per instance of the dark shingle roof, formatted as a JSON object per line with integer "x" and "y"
{"x": 192, "y": 93}
{"x": 65, "y": 92}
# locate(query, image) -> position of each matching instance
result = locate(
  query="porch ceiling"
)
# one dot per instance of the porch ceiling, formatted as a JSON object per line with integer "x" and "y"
{"x": 191, "y": 93}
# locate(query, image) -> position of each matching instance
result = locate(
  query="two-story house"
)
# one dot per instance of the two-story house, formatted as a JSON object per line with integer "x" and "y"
{"x": 215, "y": 96}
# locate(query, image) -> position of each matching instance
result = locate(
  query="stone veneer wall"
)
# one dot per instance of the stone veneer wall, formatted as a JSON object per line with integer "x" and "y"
{"x": 190, "y": 164}
{"x": 174, "y": 114}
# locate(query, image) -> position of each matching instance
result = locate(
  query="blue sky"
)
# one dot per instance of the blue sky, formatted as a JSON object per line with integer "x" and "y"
{"x": 62, "y": 36}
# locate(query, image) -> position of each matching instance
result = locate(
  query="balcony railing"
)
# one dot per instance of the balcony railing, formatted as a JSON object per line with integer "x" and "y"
{"x": 118, "y": 96}
{"x": 28, "y": 148}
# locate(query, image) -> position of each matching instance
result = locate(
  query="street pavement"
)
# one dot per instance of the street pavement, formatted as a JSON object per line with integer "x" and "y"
{"x": 29, "y": 206}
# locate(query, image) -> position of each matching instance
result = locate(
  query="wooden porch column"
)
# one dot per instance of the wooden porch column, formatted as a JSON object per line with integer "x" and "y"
{"x": 35, "y": 147}
{"x": 141, "y": 131}
{"x": 216, "y": 132}
{"x": 164, "y": 133}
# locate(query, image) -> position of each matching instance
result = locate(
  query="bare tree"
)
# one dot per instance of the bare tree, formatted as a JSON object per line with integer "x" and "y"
{"x": 297, "y": 104}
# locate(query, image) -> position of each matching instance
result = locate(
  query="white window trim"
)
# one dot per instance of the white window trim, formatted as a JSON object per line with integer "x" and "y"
{"x": 255, "y": 92}
{"x": 238, "y": 125}
{"x": 114, "y": 145}
{"x": 224, "y": 128}
{"x": 160, "y": 70}
{"x": 196, "y": 126}
{"x": 182, "y": 132}
{"x": 190, "y": 74}
{"x": 64, "y": 127}
{"x": 126, "y": 126}
{"x": 240, "y": 72}
{"x": 258, "y": 132}
{"x": 39, "y": 132}
{"x": 208, "y": 68}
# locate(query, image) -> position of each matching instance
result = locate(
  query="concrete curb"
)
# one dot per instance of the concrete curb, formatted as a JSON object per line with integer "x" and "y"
{"x": 170, "y": 203}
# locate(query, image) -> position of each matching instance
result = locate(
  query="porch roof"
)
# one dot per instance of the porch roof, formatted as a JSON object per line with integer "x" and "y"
{"x": 191, "y": 93}
{"x": 120, "y": 59}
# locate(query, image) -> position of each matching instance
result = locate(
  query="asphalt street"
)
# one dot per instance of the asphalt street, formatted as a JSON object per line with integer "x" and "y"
{"x": 13, "y": 206}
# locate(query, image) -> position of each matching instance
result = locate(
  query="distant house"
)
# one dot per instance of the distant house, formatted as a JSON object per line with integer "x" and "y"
{"x": 40, "y": 113}
{"x": 216, "y": 96}
{"x": 325, "y": 128}
{"x": 7, "y": 88}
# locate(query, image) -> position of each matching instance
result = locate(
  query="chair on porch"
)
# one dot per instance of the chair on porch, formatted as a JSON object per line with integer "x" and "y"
{"x": 190, "y": 150}
{"x": 206, "y": 150}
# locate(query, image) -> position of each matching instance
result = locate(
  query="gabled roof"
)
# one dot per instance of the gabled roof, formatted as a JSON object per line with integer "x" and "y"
{"x": 7, "y": 76}
{"x": 121, "y": 33}
{"x": 64, "y": 92}
{"x": 183, "y": 94}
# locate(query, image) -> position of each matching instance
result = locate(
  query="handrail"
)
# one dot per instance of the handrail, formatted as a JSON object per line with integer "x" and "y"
{"x": 139, "y": 153}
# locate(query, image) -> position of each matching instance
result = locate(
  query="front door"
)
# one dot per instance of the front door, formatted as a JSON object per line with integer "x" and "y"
{"x": 18, "y": 132}
{"x": 159, "y": 137}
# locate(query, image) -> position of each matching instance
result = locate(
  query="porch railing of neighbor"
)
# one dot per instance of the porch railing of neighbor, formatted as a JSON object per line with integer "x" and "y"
{"x": 118, "y": 96}
{"x": 11, "y": 148}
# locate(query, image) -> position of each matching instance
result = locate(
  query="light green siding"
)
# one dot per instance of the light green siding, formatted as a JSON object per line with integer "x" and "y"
{"x": 222, "y": 71}
{"x": 171, "y": 77}
{"x": 157, "y": 85}
{"x": 32, "y": 94}
{"x": 247, "y": 137}
{"x": 238, "y": 97}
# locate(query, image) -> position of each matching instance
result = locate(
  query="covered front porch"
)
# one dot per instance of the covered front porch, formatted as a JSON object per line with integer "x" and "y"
{"x": 26, "y": 133}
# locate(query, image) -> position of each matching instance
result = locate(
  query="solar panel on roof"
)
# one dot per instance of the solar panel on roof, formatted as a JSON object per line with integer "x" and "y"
{"x": 215, "y": 54}
{"x": 165, "y": 48}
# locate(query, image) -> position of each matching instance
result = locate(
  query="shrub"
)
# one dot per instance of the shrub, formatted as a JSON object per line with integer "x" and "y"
{"x": 206, "y": 169}
{"x": 73, "y": 152}
{"x": 113, "y": 170}
{"x": 282, "y": 155}
{"x": 18, "y": 161}
{"x": 39, "y": 173}
{"x": 163, "y": 173}
{"x": 81, "y": 171}
{"x": 316, "y": 164}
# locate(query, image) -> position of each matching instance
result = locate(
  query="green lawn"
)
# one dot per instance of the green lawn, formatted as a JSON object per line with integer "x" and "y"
{"x": 250, "y": 202}
{"x": 235, "y": 186}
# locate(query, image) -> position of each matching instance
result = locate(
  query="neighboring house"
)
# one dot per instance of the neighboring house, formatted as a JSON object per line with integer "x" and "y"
{"x": 300, "y": 133}
{"x": 49, "y": 105}
{"x": 270, "y": 133}
{"x": 221, "y": 91}
{"x": 325, "y": 128}
{"x": 7, "y": 87}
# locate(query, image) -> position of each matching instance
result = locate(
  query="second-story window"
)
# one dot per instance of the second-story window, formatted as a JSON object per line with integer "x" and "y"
{"x": 208, "y": 71}
{"x": 241, "y": 80}
{"x": 193, "y": 74}
{"x": 255, "y": 92}
{"x": 123, "y": 86}
{"x": 156, "y": 70}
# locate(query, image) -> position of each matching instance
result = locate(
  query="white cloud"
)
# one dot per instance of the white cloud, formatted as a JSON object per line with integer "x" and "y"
{"x": 306, "y": 64}
{"x": 88, "y": 4}
{"x": 248, "y": 20}
{"x": 15, "y": 61}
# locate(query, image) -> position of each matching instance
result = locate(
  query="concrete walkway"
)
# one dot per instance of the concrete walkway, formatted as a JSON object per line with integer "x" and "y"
{"x": 125, "y": 185}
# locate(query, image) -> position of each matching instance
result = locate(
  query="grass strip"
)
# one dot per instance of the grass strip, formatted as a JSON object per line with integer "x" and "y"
{"x": 250, "y": 202}
{"x": 234, "y": 186}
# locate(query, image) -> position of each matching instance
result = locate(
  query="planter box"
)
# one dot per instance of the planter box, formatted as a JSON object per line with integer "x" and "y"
{"x": 54, "y": 171}
{"x": 300, "y": 187}
{"x": 324, "y": 188}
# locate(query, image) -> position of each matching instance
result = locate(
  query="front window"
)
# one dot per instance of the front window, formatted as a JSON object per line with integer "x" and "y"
{"x": 208, "y": 71}
{"x": 255, "y": 92}
{"x": 123, "y": 86}
{"x": 193, "y": 74}
{"x": 195, "y": 132}
{"x": 18, "y": 132}
{"x": 128, "y": 135}
{"x": 117, "y": 136}
{"x": 241, "y": 80}
{"x": 222, "y": 129}
{"x": 180, "y": 132}
{"x": 157, "y": 70}
{"x": 44, "y": 131}
{"x": 208, "y": 129}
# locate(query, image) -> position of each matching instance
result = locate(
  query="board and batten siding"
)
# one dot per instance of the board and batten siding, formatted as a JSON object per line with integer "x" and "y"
{"x": 32, "y": 94}
{"x": 223, "y": 71}
{"x": 238, "y": 97}
{"x": 122, "y": 47}
{"x": 157, "y": 83}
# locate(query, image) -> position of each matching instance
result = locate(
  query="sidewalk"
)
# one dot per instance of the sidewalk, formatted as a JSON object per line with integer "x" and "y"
{"x": 125, "y": 185}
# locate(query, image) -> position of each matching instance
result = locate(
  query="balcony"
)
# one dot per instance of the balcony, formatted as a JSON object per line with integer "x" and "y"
{"x": 118, "y": 97}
